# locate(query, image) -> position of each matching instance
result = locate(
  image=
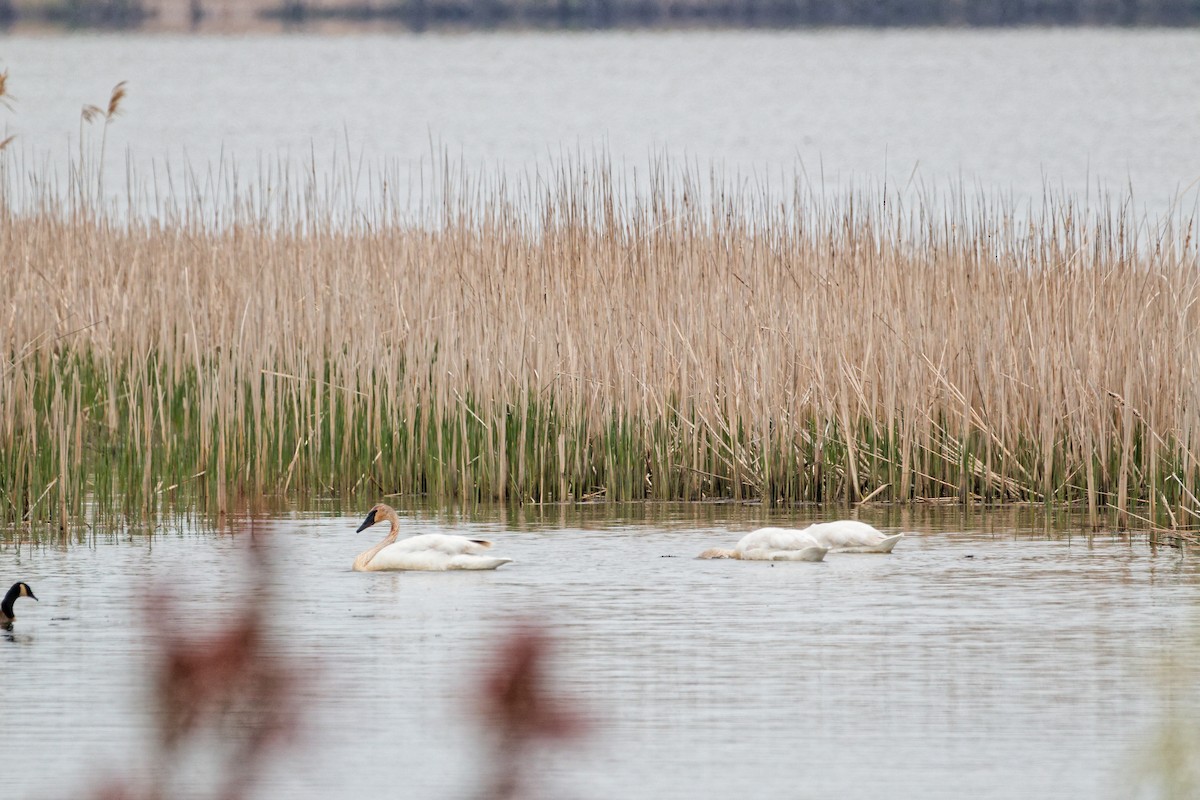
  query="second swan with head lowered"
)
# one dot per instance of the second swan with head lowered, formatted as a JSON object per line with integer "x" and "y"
{"x": 808, "y": 544}
{"x": 851, "y": 536}
{"x": 772, "y": 544}
{"x": 428, "y": 551}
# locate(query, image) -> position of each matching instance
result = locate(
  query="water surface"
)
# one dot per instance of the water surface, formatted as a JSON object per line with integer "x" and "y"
{"x": 1009, "y": 113}
{"x": 991, "y": 656}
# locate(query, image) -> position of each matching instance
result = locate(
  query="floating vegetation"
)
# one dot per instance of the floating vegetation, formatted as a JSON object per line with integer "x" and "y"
{"x": 592, "y": 333}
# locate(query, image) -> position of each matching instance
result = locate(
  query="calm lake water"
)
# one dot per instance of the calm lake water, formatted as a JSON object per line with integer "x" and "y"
{"x": 1011, "y": 113}
{"x": 992, "y": 655}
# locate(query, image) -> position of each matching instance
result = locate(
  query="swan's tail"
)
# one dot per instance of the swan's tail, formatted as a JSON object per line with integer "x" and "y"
{"x": 886, "y": 545}
{"x": 814, "y": 553}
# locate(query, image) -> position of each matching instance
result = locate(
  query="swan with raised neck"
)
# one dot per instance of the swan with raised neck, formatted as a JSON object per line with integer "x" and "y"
{"x": 427, "y": 551}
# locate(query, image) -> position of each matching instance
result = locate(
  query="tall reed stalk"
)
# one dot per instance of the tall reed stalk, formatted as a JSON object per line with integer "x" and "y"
{"x": 592, "y": 333}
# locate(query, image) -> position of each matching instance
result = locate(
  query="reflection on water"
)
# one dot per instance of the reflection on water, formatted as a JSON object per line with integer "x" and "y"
{"x": 995, "y": 655}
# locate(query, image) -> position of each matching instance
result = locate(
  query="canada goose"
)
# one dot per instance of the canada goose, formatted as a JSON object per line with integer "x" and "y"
{"x": 429, "y": 551}
{"x": 6, "y": 608}
{"x": 772, "y": 544}
{"x": 851, "y": 536}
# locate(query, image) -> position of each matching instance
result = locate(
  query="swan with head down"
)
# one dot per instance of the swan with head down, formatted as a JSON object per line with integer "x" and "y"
{"x": 428, "y": 551}
{"x": 772, "y": 544}
{"x": 808, "y": 544}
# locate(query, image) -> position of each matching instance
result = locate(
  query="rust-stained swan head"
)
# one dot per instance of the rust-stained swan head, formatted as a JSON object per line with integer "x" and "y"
{"x": 380, "y": 512}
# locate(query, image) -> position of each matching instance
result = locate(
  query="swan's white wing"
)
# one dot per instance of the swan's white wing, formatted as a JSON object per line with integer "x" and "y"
{"x": 780, "y": 544}
{"x": 777, "y": 539}
{"x": 444, "y": 543}
{"x": 396, "y": 557}
{"x": 851, "y": 536}
{"x": 810, "y": 553}
{"x": 844, "y": 533}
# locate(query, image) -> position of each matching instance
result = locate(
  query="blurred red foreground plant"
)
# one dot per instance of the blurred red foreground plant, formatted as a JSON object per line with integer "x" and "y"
{"x": 228, "y": 684}
{"x": 230, "y": 692}
{"x": 520, "y": 710}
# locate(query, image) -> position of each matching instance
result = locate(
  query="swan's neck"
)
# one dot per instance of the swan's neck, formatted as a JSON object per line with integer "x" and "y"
{"x": 719, "y": 552}
{"x": 360, "y": 563}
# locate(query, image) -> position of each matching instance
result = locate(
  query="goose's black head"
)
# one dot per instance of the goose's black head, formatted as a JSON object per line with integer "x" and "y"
{"x": 18, "y": 590}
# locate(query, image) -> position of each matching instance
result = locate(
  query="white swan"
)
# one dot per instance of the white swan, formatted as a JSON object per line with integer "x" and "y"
{"x": 773, "y": 544}
{"x": 429, "y": 551}
{"x": 851, "y": 536}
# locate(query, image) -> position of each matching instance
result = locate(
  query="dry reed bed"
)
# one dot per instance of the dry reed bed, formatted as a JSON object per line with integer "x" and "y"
{"x": 678, "y": 341}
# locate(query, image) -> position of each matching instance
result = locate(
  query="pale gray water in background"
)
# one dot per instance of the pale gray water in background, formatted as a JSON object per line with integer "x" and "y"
{"x": 1009, "y": 113}
{"x": 1034, "y": 668}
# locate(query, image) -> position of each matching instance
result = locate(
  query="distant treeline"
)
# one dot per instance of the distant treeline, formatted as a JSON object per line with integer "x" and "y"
{"x": 422, "y": 14}
{"x": 78, "y": 13}
{"x": 418, "y": 14}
